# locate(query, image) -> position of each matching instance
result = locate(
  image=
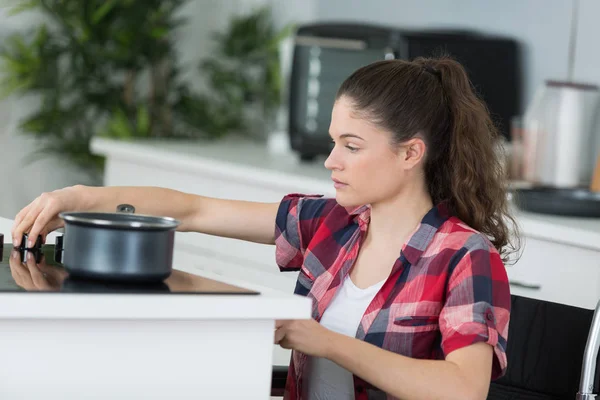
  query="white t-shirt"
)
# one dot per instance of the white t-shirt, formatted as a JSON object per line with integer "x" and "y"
{"x": 324, "y": 379}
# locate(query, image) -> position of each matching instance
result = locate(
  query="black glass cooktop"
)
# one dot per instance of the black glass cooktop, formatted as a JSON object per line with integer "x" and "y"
{"x": 43, "y": 274}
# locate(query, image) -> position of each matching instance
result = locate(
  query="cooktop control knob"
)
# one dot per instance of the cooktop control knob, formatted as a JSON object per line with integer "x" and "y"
{"x": 36, "y": 245}
{"x": 58, "y": 249}
{"x": 36, "y": 253}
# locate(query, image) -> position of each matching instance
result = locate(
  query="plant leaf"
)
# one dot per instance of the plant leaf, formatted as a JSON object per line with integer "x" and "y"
{"x": 120, "y": 125}
{"x": 101, "y": 12}
{"x": 25, "y": 5}
{"x": 159, "y": 32}
{"x": 143, "y": 121}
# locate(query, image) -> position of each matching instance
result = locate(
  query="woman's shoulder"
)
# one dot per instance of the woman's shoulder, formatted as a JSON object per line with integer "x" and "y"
{"x": 456, "y": 235}
{"x": 317, "y": 205}
{"x": 464, "y": 252}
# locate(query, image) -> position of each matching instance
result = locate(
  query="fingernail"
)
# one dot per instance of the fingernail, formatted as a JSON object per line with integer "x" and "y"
{"x": 29, "y": 257}
{"x": 29, "y": 244}
{"x": 15, "y": 243}
{"x": 15, "y": 254}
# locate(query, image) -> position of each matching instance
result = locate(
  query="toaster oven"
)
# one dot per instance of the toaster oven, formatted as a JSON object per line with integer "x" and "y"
{"x": 325, "y": 54}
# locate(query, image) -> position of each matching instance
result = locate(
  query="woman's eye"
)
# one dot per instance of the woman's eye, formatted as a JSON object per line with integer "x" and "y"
{"x": 352, "y": 149}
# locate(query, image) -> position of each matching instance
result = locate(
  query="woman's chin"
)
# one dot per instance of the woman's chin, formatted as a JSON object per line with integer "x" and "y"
{"x": 346, "y": 201}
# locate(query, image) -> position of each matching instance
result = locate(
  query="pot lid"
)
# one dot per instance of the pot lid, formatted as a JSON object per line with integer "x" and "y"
{"x": 120, "y": 220}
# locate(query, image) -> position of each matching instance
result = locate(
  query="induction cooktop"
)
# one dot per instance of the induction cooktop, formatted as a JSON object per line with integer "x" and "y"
{"x": 42, "y": 273}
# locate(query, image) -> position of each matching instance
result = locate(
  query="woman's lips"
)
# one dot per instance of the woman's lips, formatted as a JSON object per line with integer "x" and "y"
{"x": 338, "y": 184}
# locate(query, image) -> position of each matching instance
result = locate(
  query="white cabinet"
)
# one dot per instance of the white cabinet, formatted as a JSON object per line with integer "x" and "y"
{"x": 560, "y": 260}
{"x": 145, "y": 346}
{"x": 557, "y": 272}
{"x": 216, "y": 266}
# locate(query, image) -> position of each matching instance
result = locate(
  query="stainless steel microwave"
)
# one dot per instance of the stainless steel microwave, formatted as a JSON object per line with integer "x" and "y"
{"x": 327, "y": 53}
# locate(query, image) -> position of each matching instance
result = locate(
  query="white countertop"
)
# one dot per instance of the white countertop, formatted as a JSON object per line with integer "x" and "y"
{"x": 268, "y": 305}
{"x": 581, "y": 232}
{"x": 254, "y": 163}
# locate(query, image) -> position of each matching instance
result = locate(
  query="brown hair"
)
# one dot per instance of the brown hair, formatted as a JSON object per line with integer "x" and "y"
{"x": 434, "y": 98}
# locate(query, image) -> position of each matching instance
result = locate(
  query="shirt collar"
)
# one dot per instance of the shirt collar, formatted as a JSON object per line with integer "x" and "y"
{"x": 422, "y": 236}
{"x": 430, "y": 224}
{"x": 360, "y": 214}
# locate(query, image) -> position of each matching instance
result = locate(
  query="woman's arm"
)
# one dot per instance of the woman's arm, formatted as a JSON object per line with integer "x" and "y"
{"x": 464, "y": 375}
{"x": 229, "y": 218}
{"x": 246, "y": 220}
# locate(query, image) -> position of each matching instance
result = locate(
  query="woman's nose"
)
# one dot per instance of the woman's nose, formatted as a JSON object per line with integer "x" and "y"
{"x": 331, "y": 162}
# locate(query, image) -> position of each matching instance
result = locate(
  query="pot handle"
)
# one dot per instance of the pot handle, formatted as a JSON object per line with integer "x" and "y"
{"x": 126, "y": 208}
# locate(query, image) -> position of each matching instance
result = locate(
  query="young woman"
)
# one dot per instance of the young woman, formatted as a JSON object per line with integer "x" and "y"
{"x": 404, "y": 266}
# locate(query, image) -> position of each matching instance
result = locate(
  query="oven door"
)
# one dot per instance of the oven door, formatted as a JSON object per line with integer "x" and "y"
{"x": 320, "y": 65}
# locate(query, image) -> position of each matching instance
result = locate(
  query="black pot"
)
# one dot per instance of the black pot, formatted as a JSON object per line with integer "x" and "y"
{"x": 117, "y": 246}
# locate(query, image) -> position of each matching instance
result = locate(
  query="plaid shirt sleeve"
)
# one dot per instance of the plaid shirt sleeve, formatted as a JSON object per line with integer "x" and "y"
{"x": 298, "y": 218}
{"x": 477, "y": 307}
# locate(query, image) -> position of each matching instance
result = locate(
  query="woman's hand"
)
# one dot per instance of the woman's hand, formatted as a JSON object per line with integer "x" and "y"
{"x": 40, "y": 217}
{"x": 33, "y": 276}
{"x": 306, "y": 336}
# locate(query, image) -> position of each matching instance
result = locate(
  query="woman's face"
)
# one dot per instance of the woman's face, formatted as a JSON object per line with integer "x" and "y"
{"x": 364, "y": 165}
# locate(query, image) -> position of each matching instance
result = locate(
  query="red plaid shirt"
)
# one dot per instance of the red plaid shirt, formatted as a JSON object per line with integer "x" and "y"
{"x": 448, "y": 288}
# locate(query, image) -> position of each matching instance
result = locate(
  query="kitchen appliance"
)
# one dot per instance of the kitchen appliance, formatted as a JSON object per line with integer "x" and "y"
{"x": 51, "y": 276}
{"x": 559, "y": 143}
{"x": 325, "y": 54}
{"x": 117, "y": 246}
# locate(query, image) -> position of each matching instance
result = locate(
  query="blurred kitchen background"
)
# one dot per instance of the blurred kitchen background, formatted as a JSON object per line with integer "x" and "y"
{"x": 542, "y": 40}
{"x": 232, "y": 98}
{"x": 189, "y": 40}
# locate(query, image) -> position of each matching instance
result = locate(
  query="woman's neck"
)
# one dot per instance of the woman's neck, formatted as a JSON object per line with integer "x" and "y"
{"x": 394, "y": 220}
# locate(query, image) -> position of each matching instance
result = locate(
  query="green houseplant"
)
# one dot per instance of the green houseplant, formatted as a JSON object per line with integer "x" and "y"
{"x": 109, "y": 68}
{"x": 244, "y": 74}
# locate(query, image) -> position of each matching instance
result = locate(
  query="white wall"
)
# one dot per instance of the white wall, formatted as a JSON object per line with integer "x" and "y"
{"x": 24, "y": 183}
{"x": 587, "y": 56}
{"x": 207, "y": 16}
{"x": 542, "y": 25}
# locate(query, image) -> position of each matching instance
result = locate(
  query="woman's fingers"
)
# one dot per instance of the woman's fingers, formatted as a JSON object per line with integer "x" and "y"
{"x": 37, "y": 277}
{"x": 40, "y": 224}
{"x": 279, "y": 334}
{"x": 39, "y": 218}
{"x": 18, "y": 225}
{"x": 26, "y": 223}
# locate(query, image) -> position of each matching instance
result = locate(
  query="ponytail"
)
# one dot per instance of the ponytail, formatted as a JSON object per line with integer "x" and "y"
{"x": 476, "y": 188}
{"x": 434, "y": 97}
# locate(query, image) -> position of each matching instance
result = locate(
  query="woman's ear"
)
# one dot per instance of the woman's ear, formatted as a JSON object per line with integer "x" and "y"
{"x": 413, "y": 152}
